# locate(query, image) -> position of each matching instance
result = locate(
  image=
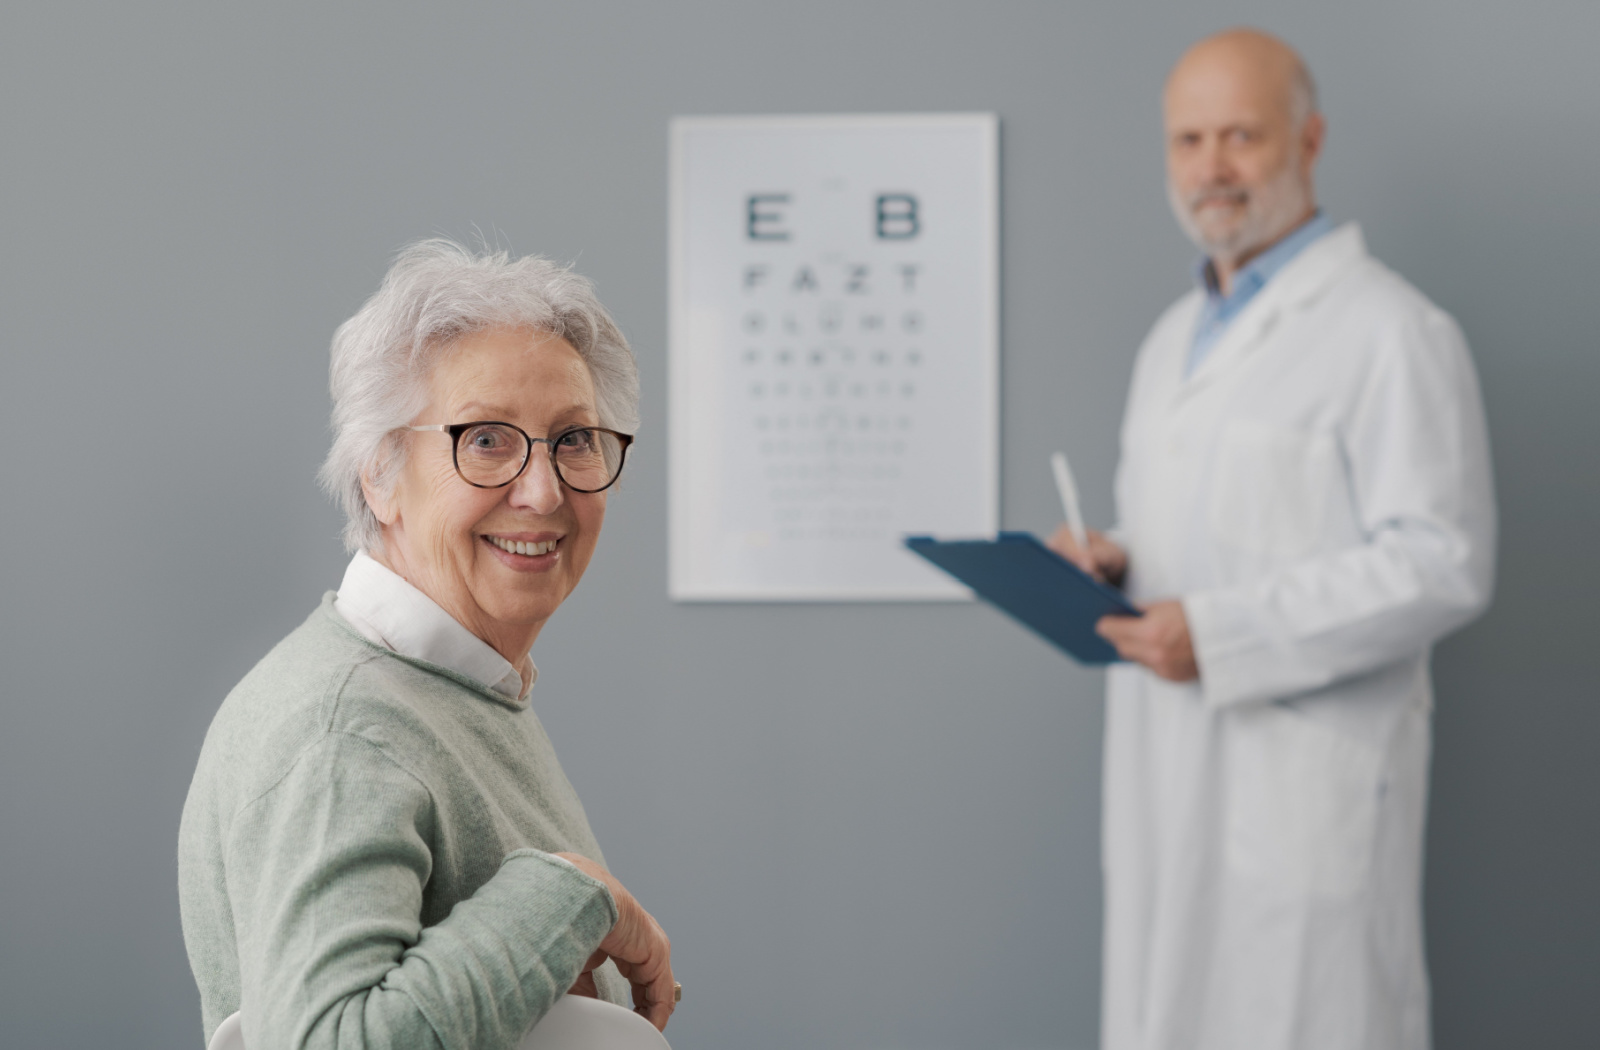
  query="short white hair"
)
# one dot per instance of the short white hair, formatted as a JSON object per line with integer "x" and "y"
{"x": 1302, "y": 94}
{"x": 436, "y": 292}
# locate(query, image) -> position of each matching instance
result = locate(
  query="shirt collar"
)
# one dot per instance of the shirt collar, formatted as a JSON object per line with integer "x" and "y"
{"x": 388, "y": 611}
{"x": 1254, "y": 276}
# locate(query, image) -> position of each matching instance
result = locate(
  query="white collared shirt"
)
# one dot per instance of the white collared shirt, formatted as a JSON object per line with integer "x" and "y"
{"x": 390, "y": 612}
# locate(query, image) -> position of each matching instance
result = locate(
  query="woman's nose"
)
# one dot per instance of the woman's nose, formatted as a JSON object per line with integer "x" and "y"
{"x": 537, "y": 488}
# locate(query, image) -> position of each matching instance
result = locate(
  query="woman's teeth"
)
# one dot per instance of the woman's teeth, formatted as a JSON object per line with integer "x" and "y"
{"x": 524, "y": 548}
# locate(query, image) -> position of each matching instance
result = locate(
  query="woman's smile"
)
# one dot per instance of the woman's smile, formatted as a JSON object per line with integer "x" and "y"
{"x": 526, "y": 552}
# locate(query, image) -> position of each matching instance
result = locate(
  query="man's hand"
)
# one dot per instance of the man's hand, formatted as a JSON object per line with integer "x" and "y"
{"x": 1103, "y": 560}
{"x": 636, "y": 944}
{"x": 1159, "y": 640}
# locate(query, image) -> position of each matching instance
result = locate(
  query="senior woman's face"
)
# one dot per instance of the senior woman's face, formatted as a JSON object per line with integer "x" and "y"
{"x": 448, "y": 538}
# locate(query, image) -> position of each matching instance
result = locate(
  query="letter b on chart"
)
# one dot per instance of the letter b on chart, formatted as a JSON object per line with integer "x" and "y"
{"x": 897, "y": 217}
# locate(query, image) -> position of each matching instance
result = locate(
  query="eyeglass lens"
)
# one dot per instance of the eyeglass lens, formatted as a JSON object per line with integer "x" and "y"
{"x": 492, "y": 454}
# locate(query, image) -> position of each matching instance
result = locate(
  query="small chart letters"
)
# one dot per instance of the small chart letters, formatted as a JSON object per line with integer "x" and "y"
{"x": 834, "y": 352}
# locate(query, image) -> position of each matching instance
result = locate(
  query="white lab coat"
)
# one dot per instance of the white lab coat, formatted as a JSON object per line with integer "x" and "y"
{"x": 1319, "y": 495}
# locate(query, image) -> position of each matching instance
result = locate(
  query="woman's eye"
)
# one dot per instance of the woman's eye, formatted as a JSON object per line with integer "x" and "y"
{"x": 576, "y": 440}
{"x": 488, "y": 440}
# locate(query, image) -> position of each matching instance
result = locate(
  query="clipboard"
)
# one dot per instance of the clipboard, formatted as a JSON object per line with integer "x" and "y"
{"x": 1035, "y": 586}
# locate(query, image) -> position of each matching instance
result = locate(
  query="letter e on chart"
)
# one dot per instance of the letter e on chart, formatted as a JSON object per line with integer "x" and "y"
{"x": 763, "y": 217}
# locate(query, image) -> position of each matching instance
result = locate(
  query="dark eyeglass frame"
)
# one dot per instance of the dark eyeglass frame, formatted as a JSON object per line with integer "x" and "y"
{"x": 455, "y": 430}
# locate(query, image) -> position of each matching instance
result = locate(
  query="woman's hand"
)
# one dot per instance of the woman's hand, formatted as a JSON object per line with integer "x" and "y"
{"x": 636, "y": 944}
{"x": 1103, "y": 560}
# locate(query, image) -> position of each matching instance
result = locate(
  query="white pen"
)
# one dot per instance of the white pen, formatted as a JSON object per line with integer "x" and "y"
{"x": 1069, "y": 499}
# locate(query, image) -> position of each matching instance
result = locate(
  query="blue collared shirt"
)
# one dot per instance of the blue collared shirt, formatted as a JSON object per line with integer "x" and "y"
{"x": 1219, "y": 310}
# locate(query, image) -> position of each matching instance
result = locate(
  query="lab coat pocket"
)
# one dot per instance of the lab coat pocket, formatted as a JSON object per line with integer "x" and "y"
{"x": 1302, "y": 803}
{"x": 1269, "y": 493}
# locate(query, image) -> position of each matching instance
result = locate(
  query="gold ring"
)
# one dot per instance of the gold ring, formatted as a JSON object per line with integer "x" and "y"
{"x": 677, "y": 992}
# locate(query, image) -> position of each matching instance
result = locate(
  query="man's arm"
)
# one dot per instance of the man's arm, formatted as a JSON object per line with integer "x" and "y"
{"x": 1419, "y": 469}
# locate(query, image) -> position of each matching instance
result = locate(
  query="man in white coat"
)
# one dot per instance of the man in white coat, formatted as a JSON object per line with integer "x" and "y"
{"x": 1305, "y": 507}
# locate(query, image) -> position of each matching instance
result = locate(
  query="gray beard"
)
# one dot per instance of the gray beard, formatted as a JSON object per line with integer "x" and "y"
{"x": 1270, "y": 212}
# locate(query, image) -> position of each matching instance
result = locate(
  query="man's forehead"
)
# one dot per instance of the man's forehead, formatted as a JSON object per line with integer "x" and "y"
{"x": 1223, "y": 92}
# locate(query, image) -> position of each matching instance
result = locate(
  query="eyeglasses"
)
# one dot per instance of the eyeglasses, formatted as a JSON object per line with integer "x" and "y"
{"x": 489, "y": 454}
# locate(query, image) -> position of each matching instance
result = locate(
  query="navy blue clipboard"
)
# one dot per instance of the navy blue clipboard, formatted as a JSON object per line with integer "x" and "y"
{"x": 1035, "y": 586}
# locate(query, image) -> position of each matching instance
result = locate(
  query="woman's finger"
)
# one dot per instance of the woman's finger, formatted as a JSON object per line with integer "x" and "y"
{"x": 657, "y": 1013}
{"x": 637, "y": 946}
{"x": 652, "y": 987}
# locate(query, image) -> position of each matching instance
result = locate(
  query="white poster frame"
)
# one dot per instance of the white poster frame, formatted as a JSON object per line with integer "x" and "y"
{"x": 689, "y": 377}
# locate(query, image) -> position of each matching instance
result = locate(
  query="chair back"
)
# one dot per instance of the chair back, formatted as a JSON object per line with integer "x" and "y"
{"x": 228, "y": 1036}
{"x": 577, "y": 1022}
{"x": 573, "y": 1023}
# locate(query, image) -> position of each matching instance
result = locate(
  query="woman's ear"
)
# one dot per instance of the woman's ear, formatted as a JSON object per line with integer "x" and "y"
{"x": 382, "y": 502}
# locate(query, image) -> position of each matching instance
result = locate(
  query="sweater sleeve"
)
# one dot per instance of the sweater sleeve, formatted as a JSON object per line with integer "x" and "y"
{"x": 1418, "y": 459}
{"x": 325, "y": 876}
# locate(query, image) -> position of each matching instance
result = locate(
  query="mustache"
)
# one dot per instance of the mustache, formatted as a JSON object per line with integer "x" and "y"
{"x": 1217, "y": 195}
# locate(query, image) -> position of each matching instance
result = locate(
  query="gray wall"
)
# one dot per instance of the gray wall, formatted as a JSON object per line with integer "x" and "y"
{"x": 864, "y": 826}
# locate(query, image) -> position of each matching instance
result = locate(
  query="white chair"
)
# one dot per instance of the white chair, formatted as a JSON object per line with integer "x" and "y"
{"x": 573, "y": 1023}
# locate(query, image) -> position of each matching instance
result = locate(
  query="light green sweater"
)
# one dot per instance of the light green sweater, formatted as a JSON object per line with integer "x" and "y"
{"x": 360, "y": 865}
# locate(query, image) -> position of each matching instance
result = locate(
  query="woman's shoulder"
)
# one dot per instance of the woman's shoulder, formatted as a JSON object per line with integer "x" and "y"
{"x": 286, "y": 741}
{"x": 304, "y": 675}
{"x": 279, "y": 709}
{"x": 322, "y": 680}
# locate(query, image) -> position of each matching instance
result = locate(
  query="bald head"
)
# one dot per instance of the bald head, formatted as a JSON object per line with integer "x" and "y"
{"x": 1243, "y": 138}
{"x": 1251, "y": 62}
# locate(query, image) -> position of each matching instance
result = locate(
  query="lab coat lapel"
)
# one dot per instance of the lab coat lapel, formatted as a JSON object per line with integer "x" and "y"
{"x": 1302, "y": 280}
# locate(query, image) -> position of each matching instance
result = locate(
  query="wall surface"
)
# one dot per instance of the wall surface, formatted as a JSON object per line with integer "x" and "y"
{"x": 864, "y": 826}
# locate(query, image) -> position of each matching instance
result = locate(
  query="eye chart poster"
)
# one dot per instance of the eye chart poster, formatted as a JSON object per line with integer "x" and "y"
{"x": 834, "y": 352}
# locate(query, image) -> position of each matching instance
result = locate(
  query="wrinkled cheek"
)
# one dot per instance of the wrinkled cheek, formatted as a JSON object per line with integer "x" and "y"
{"x": 456, "y": 549}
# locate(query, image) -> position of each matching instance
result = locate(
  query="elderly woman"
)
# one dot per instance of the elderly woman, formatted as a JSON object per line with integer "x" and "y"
{"x": 379, "y": 848}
